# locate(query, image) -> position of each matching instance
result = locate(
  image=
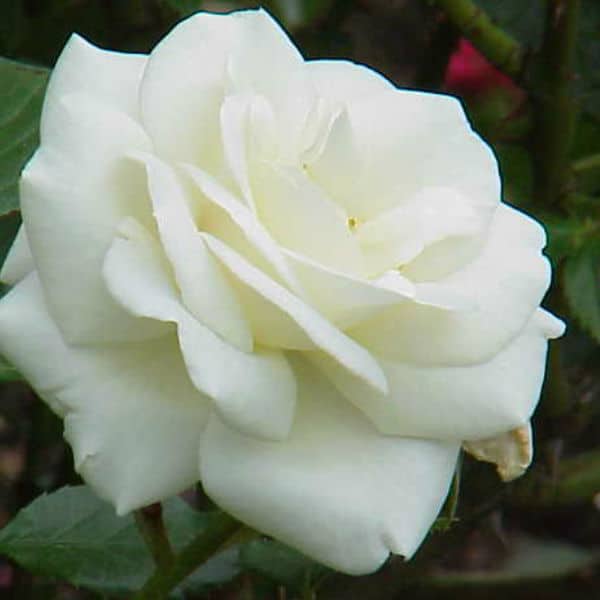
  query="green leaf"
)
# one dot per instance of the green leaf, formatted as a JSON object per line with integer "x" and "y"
{"x": 9, "y": 225}
{"x": 582, "y": 287}
{"x": 21, "y": 94}
{"x": 279, "y": 563}
{"x": 8, "y": 372}
{"x": 567, "y": 235}
{"x": 73, "y": 535}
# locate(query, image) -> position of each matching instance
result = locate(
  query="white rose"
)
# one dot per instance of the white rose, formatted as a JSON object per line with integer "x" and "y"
{"x": 285, "y": 278}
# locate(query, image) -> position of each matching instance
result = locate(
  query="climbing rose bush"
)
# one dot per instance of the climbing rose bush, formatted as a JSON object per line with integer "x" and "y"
{"x": 287, "y": 279}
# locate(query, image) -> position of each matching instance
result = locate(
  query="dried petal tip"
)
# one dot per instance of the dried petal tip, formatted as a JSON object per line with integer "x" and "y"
{"x": 512, "y": 451}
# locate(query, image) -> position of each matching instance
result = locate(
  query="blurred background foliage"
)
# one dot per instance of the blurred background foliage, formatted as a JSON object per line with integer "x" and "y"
{"x": 538, "y": 537}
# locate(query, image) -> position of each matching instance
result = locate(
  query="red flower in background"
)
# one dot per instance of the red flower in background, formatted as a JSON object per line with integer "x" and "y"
{"x": 469, "y": 73}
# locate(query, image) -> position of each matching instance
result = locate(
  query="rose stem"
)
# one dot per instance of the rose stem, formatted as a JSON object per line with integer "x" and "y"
{"x": 151, "y": 526}
{"x": 492, "y": 41}
{"x": 197, "y": 552}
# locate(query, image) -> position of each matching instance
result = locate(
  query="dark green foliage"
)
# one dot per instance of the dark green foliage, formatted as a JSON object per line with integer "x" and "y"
{"x": 582, "y": 287}
{"x": 73, "y": 535}
{"x": 21, "y": 95}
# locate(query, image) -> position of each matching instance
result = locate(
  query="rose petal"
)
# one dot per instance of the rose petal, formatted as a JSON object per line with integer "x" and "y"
{"x": 457, "y": 402}
{"x": 132, "y": 416}
{"x": 261, "y": 41}
{"x": 204, "y": 289}
{"x": 192, "y": 68}
{"x": 506, "y": 281}
{"x": 396, "y": 237}
{"x": 376, "y": 157}
{"x": 234, "y": 131}
{"x": 345, "y": 81}
{"x": 82, "y": 178}
{"x": 336, "y": 489}
{"x": 302, "y": 219}
{"x": 252, "y": 230}
{"x": 512, "y": 451}
{"x": 112, "y": 78}
{"x": 253, "y": 392}
{"x": 182, "y": 89}
{"x": 320, "y": 331}
{"x": 345, "y": 300}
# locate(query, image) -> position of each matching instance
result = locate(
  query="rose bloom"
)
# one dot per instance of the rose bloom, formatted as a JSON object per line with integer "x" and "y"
{"x": 471, "y": 74}
{"x": 287, "y": 279}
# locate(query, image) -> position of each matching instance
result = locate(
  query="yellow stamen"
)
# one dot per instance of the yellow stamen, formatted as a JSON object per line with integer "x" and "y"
{"x": 352, "y": 223}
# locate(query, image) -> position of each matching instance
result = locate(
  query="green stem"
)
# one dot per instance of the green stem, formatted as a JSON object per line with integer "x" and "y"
{"x": 556, "y": 110}
{"x": 588, "y": 163}
{"x": 497, "y": 45}
{"x": 197, "y": 552}
{"x": 152, "y": 528}
{"x": 555, "y": 123}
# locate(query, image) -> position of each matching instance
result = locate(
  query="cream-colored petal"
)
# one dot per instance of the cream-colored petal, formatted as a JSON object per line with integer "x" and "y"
{"x": 345, "y": 300}
{"x": 234, "y": 115}
{"x": 251, "y": 229}
{"x": 457, "y": 402}
{"x": 385, "y": 148}
{"x": 505, "y": 283}
{"x": 345, "y": 81}
{"x": 254, "y": 392}
{"x": 112, "y": 78}
{"x": 132, "y": 416}
{"x": 263, "y": 59}
{"x": 183, "y": 88}
{"x": 83, "y": 180}
{"x": 195, "y": 65}
{"x": 396, "y": 237}
{"x": 512, "y": 452}
{"x": 336, "y": 490}
{"x": 319, "y": 330}
{"x": 301, "y": 218}
{"x": 204, "y": 290}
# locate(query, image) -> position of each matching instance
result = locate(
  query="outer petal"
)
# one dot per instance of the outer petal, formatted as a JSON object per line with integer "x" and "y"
{"x": 188, "y": 73}
{"x": 112, "y": 78}
{"x": 345, "y": 81}
{"x": 19, "y": 261}
{"x": 506, "y": 281}
{"x": 260, "y": 41}
{"x": 133, "y": 417}
{"x": 81, "y": 177}
{"x": 255, "y": 392}
{"x": 457, "y": 403}
{"x": 182, "y": 89}
{"x": 336, "y": 489}
{"x": 512, "y": 452}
